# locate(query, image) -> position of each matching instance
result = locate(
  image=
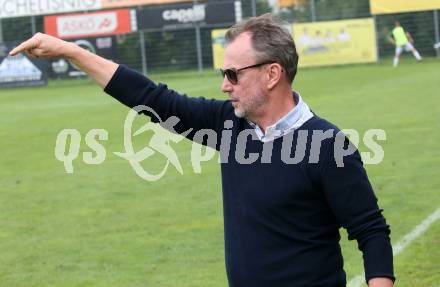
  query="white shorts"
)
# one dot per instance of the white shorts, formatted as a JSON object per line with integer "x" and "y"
{"x": 408, "y": 47}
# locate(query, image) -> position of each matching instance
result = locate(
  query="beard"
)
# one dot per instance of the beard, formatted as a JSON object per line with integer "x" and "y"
{"x": 248, "y": 108}
{"x": 239, "y": 113}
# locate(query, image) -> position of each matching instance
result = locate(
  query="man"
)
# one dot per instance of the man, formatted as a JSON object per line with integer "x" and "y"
{"x": 402, "y": 40}
{"x": 281, "y": 215}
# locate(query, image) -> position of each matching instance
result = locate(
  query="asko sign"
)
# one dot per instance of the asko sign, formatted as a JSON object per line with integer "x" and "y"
{"x": 88, "y": 24}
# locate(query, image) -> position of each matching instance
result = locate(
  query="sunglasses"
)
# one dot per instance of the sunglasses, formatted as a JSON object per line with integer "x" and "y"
{"x": 232, "y": 73}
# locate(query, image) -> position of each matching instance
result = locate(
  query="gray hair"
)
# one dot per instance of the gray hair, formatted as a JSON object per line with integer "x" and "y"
{"x": 270, "y": 40}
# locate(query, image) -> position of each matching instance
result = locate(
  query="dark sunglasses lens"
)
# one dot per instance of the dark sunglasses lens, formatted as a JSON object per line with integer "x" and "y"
{"x": 232, "y": 76}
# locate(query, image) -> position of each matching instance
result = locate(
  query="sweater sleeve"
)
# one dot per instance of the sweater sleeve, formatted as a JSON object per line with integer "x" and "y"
{"x": 132, "y": 89}
{"x": 352, "y": 200}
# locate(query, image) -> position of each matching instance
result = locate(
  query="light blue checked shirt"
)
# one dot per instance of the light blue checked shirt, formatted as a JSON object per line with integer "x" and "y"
{"x": 290, "y": 122}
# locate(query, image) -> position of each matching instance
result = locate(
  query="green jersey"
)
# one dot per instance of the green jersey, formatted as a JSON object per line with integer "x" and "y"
{"x": 399, "y": 36}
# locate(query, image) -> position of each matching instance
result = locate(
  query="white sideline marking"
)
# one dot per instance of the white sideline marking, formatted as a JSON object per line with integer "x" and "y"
{"x": 403, "y": 243}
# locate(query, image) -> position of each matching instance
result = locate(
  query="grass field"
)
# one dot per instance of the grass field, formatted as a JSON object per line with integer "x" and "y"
{"x": 104, "y": 226}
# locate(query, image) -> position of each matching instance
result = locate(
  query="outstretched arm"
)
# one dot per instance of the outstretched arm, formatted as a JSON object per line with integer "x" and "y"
{"x": 391, "y": 40}
{"x": 410, "y": 38}
{"x": 45, "y": 46}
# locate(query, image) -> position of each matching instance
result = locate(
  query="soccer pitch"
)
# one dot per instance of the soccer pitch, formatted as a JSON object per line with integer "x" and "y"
{"x": 105, "y": 226}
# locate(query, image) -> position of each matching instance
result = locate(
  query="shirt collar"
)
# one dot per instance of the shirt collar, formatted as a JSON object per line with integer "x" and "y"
{"x": 290, "y": 122}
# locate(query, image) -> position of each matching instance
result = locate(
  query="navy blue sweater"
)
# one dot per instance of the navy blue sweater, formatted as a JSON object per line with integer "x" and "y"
{"x": 281, "y": 220}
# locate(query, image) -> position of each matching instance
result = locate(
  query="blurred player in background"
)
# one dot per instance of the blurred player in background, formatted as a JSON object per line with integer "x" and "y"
{"x": 402, "y": 40}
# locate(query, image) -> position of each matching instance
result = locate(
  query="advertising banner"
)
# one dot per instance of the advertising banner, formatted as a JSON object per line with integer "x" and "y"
{"x": 20, "y": 71}
{"x": 400, "y": 6}
{"x": 88, "y": 24}
{"x": 129, "y": 3}
{"x": 290, "y": 3}
{"x": 218, "y": 47}
{"x": 185, "y": 15}
{"x": 335, "y": 42}
{"x": 19, "y": 8}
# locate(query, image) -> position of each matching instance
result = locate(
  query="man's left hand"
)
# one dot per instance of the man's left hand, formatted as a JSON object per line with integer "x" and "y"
{"x": 380, "y": 282}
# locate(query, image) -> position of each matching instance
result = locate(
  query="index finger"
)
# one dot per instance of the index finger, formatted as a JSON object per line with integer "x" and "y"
{"x": 26, "y": 45}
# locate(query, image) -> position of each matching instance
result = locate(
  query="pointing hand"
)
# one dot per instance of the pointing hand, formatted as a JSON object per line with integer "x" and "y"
{"x": 43, "y": 46}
